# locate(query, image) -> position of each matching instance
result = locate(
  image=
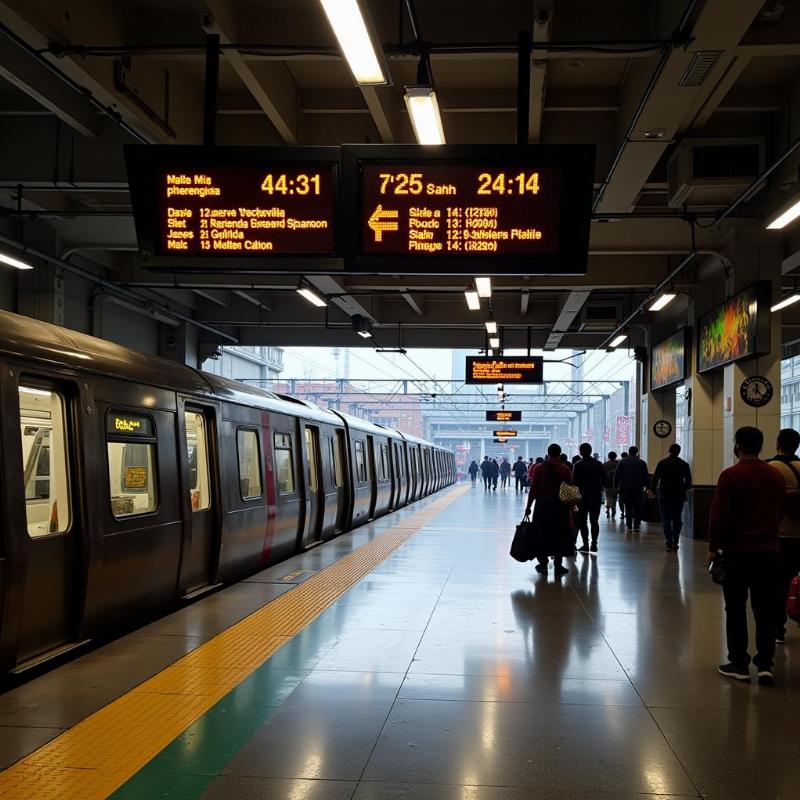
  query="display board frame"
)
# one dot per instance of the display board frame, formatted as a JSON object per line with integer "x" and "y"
{"x": 683, "y": 337}
{"x": 508, "y": 416}
{"x": 538, "y": 367}
{"x": 577, "y": 166}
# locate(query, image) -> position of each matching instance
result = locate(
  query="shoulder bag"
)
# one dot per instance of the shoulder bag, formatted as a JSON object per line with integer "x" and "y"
{"x": 568, "y": 493}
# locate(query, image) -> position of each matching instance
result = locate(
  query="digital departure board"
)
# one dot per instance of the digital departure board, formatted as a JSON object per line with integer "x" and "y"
{"x": 504, "y": 416}
{"x": 505, "y": 433}
{"x": 457, "y": 209}
{"x": 222, "y": 205}
{"x": 485, "y": 369}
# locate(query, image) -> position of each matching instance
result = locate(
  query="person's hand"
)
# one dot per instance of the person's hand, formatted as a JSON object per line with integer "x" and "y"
{"x": 712, "y": 554}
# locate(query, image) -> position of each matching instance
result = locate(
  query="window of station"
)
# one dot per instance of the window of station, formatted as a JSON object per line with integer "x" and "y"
{"x": 383, "y": 468}
{"x": 197, "y": 451}
{"x": 361, "y": 462}
{"x": 311, "y": 457}
{"x": 131, "y": 447}
{"x": 336, "y": 459}
{"x": 249, "y": 464}
{"x": 284, "y": 460}
{"x": 44, "y": 461}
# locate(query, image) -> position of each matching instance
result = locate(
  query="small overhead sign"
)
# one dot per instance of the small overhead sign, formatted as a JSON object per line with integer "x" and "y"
{"x": 485, "y": 369}
{"x": 504, "y": 416}
{"x": 500, "y": 441}
{"x": 505, "y": 434}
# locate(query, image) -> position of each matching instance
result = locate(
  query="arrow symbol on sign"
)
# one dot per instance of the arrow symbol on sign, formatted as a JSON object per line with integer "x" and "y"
{"x": 383, "y": 220}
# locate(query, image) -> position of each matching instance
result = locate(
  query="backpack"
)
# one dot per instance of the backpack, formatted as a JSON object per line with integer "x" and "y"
{"x": 793, "y": 599}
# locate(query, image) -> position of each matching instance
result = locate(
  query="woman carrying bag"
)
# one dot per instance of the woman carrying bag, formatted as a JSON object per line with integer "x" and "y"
{"x": 552, "y": 518}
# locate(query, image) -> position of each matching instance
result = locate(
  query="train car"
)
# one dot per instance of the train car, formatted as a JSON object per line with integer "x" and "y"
{"x": 131, "y": 484}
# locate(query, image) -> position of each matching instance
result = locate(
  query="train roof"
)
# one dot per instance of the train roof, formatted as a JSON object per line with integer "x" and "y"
{"x": 369, "y": 427}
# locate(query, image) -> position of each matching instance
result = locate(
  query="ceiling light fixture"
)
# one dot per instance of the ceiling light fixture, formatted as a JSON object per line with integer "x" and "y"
{"x": 426, "y": 119}
{"x": 473, "y": 300}
{"x": 618, "y": 340}
{"x": 14, "y": 262}
{"x": 362, "y": 326}
{"x": 349, "y": 23}
{"x": 663, "y": 300}
{"x": 787, "y": 301}
{"x": 491, "y": 326}
{"x": 484, "y": 287}
{"x": 494, "y": 341}
{"x": 787, "y": 215}
{"x": 311, "y": 296}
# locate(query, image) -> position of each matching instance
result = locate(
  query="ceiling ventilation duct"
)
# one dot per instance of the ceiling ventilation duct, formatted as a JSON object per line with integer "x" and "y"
{"x": 701, "y": 64}
{"x": 600, "y": 317}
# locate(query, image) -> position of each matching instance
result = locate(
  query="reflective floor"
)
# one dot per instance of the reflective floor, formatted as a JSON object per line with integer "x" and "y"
{"x": 454, "y": 673}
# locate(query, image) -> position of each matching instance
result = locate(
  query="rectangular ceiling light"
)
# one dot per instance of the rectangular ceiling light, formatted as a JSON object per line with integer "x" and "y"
{"x": 491, "y": 326}
{"x": 618, "y": 340}
{"x": 423, "y": 108}
{"x": 664, "y": 300}
{"x": 311, "y": 296}
{"x": 473, "y": 301}
{"x": 365, "y": 334}
{"x": 789, "y": 214}
{"x": 494, "y": 341}
{"x": 787, "y": 301}
{"x": 14, "y": 262}
{"x": 484, "y": 287}
{"x": 346, "y": 17}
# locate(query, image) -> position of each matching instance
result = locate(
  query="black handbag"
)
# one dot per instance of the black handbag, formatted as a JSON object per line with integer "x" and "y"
{"x": 523, "y": 545}
{"x": 716, "y": 569}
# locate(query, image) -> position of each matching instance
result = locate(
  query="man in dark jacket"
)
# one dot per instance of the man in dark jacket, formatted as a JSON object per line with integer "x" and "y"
{"x": 520, "y": 473}
{"x": 744, "y": 525}
{"x": 486, "y": 472}
{"x": 589, "y": 476}
{"x": 671, "y": 480}
{"x": 632, "y": 478}
{"x": 495, "y": 474}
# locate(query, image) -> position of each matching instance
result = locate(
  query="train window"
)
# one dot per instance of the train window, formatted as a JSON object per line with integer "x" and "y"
{"x": 44, "y": 461}
{"x": 283, "y": 462}
{"x": 131, "y": 449}
{"x": 197, "y": 450}
{"x": 361, "y": 462}
{"x": 398, "y": 457}
{"x": 384, "y": 465}
{"x": 336, "y": 459}
{"x": 311, "y": 457}
{"x": 249, "y": 464}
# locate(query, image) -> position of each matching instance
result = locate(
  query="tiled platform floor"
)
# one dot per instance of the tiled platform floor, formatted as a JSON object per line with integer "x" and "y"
{"x": 455, "y": 673}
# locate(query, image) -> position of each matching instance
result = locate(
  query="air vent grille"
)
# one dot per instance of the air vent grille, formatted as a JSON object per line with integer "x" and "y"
{"x": 699, "y": 67}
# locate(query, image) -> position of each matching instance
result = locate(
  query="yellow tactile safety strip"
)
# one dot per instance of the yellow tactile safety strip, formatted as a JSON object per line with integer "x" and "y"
{"x": 93, "y": 759}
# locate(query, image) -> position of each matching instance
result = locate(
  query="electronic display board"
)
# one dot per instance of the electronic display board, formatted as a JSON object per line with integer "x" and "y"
{"x": 736, "y": 329}
{"x": 457, "y": 209}
{"x": 504, "y": 416}
{"x": 204, "y": 207}
{"x": 523, "y": 369}
{"x": 505, "y": 433}
{"x": 668, "y": 361}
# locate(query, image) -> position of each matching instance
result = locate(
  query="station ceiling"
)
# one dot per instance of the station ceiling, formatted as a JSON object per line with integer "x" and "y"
{"x": 80, "y": 79}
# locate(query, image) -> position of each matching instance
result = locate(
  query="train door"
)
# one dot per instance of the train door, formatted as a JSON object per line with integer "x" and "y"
{"x": 52, "y": 529}
{"x": 394, "y": 486}
{"x": 336, "y": 454}
{"x": 315, "y": 497}
{"x": 198, "y": 463}
{"x": 373, "y": 476}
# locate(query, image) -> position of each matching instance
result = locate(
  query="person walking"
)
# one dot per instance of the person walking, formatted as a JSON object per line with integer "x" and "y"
{"x": 787, "y": 463}
{"x": 610, "y": 467}
{"x": 622, "y": 456}
{"x": 631, "y": 479}
{"x": 531, "y": 467}
{"x": 495, "y": 474}
{"x": 473, "y": 470}
{"x": 550, "y": 515}
{"x": 486, "y": 473}
{"x": 589, "y": 476}
{"x": 520, "y": 473}
{"x": 505, "y": 473}
{"x": 671, "y": 480}
{"x": 564, "y": 458}
{"x": 744, "y": 526}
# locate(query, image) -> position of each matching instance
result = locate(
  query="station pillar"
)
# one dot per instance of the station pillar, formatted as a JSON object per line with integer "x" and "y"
{"x": 656, "y": 407}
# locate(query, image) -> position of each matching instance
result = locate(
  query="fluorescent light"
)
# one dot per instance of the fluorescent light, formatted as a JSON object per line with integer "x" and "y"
{"x": 350, "y": 28}
{"x": 484, "y": 287}
{"x": 365, "y": 334}
{"x": 473, "y": 301}
{"x": 618, "y": 340}
{"x": 494, "y": 341}
{"x": 787, "y": 301}
{"x": 311, "y": 296}
{"x": 491, "y": 326}
{"x": 14, "y": 262}
{"x": 782, "y": 219}
{"x": 663, "y": 301}
{"x": 423, "y": 109}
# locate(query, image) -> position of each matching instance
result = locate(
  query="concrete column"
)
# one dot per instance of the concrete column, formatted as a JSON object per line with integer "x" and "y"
{"x": 656, "y": 406}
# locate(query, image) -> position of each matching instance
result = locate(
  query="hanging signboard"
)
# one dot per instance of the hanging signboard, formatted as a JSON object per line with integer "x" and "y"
{"x": 504, "y": 416}
{"x": 623, "y": 430}
{"x": 505, "y": 433}
{"x": 485, "y": 369}
{"x": 500, "y": 441}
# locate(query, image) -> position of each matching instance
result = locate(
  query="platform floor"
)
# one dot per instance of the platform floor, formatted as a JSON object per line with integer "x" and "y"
{"x": 433, "y": 667}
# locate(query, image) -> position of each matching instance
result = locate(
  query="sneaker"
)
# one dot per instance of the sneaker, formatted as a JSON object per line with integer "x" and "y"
{"x": 765, "y": 677}
{"x": 732, "y": 671}
{"x": 541, "y": 569}
{"x": 630, "y": 529}
{"x": 561, "y": 571}
{"x": 637, "y": 530}
{"x": 593, "y": 548}
{"x": 584, "y": 548}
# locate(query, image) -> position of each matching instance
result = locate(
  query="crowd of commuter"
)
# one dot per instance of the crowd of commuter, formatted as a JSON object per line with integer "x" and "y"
{"x": 753, "y": 530}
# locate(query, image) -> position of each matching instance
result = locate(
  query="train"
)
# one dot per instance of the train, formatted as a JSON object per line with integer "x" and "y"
{"x": 133, "y": 484}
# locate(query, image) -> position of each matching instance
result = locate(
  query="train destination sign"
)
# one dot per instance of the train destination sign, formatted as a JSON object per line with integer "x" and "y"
{"x": 229, "y": 204}
{"x": 504, "y": 416}
{"x": 500, "y": 441}
{"x": 485, "y": 369}
{"x": 511, "y": 208}
{"x": 505, "y": 434}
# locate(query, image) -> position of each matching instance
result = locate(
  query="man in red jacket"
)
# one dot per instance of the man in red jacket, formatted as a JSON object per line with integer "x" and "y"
{"x": 743, "y": 525}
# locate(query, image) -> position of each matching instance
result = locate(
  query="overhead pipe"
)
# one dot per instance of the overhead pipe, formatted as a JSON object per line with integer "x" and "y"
{"x": 112, "y": 287}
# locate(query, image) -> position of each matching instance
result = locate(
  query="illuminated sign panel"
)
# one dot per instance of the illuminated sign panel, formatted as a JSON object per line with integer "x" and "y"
{"x": 500, "y": 441}
{"x": 505, "y": 434}
{"x": 482, "y": 369}
{"x": 668, "y": 361}
{"x": 504, "y": 416}
{"x": 509, "y": 209}
{"x": 120, "y": 424}
{"x": 199, "y": 207}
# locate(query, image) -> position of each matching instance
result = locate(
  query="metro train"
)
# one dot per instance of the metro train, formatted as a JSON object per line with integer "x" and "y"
{"x": 132, "y": 484}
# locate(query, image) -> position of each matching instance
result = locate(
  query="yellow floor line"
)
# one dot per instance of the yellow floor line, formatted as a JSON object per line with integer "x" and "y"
{"x": 95, "y": 757}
